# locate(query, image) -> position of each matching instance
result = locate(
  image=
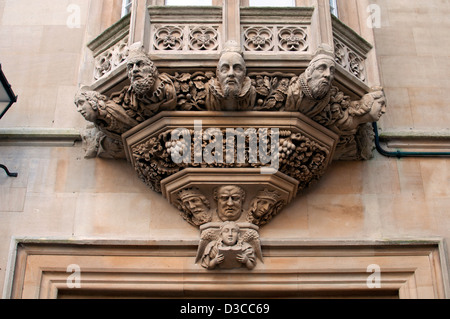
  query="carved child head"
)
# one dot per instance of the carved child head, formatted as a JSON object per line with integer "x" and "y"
{"x": 141, "y": 70}
{"x": 230, "y": 200}
{"x": 320, "y": 73}
{"x": 88, "y": 103}
{"x": 231, "y": 70}
{"x": 229, "y": 233}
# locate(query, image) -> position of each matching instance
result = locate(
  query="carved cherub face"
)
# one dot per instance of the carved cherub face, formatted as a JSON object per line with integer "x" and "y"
{"x": 321, "y": 74}
{"x": 229, "y": 202}
{"x": 142, "y": 73}
{"x": 87, "y": 107}
{"x": 229, "y": 233}
{"x": 231, "y": 73}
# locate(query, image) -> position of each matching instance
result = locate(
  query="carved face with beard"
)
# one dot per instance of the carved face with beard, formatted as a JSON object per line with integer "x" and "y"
{"x": 320, "y": 75}
{"x": 142, "y": 73}
{"x": 231, "y": 73}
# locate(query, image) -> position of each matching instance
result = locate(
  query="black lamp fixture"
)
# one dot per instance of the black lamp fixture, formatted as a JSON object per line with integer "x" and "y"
{"x": 7, "y": 99}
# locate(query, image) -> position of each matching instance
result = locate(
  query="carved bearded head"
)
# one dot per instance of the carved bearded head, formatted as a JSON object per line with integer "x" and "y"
{"x": 231, "y": 71}
{"x": 320, "y": 74}
{"x": 195, "y": 206}
{"x": 142, "y": 71}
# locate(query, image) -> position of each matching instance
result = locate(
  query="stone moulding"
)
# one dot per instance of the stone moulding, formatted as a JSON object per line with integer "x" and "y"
{"x": 411, "y": 269}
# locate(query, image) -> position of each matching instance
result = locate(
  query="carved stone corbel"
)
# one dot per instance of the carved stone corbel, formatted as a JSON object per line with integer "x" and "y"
{"x": 229, "y": 149}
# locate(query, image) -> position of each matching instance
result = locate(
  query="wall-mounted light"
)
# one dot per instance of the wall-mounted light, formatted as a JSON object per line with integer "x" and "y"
{"x": 7, "y": 99}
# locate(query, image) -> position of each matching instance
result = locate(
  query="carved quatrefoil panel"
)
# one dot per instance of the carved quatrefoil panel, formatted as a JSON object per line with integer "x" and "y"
{"x": 350, "y": 60}
{"x": 276, "y": 38}
{"x": 186, "y": 38}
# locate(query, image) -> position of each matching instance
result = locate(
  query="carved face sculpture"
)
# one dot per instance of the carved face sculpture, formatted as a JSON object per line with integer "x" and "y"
{"x": 262, "y": 207}
{"x": 198, "y": 208}
{"x": 229, "y": 202}
{"x": 86, "y": 106}
{"x": 378, "y": 106}
{"x": 229, "y": 233}
{"x": 142, "y": 73}
{"x": 231, "y": 73}
{"x": 321, "y": 76}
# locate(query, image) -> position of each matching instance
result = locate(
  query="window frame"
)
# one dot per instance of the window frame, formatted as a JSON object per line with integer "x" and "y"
{"x": 294, "y": 4}
{"x": 334, "y": 8}
{"x": 189, "y": 5}
{"x": 126, "y": 7}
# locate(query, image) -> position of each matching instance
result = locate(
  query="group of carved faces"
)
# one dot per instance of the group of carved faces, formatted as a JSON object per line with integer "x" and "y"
{"x": 231, "y": 76}
{"x": 229, "y": 201}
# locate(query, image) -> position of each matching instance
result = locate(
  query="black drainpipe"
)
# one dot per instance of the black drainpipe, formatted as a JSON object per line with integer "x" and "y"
{"x": 400, "y": 154}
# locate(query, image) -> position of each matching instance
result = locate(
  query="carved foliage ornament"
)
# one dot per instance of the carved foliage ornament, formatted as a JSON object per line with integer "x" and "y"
{"x": 327, "y": 124}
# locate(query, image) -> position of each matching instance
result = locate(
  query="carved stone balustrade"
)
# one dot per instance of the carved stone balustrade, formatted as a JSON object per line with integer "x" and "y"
{"x": 278, "y": 39}
{"x": 351, "y": 51}
{"x": 110, "y": 49}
